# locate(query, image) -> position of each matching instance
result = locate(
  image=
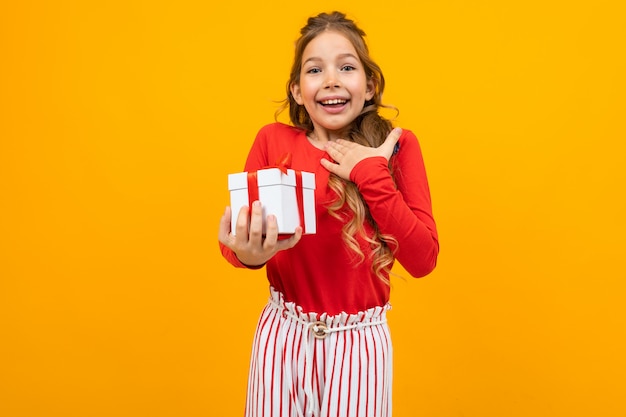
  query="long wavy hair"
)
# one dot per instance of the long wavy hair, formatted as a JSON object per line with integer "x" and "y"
{"x": 368, "y": 129}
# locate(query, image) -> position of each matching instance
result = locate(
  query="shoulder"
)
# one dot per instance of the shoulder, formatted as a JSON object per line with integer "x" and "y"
{"x": 407, "y": 136}
{"x": 278, "y": 130}
{"x": 272, "y": 141}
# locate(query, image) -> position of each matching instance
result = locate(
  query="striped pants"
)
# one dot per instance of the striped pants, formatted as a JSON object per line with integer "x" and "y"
{"x": 316, "y": 365}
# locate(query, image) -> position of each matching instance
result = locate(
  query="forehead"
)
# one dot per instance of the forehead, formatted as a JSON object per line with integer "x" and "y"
{"x": 328, "y": 44}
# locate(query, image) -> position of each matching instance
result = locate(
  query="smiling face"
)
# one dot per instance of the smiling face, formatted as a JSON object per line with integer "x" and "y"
{"x": 333, "y": 86}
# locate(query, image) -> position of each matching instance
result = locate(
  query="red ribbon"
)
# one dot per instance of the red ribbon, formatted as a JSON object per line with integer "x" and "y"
{"x": 253, "y": 187}
{"x": 283, "y": 164}
{"x": 300, "y": 199}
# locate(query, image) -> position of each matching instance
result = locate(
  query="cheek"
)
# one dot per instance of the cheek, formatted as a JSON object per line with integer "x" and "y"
{"x": 360, "y": 87}
{"x": 309, "y": 97}
{"x": 308, "y": 90}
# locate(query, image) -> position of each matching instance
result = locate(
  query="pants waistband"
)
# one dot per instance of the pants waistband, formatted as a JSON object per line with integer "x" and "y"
{"x": 321, "y": 325}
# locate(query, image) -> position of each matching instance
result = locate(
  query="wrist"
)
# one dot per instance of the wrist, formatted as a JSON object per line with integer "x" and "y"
{"x": 250, "y": 265}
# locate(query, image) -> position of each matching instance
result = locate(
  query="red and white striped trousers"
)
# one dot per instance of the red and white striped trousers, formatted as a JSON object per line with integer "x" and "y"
{"x": 317, "y": 365}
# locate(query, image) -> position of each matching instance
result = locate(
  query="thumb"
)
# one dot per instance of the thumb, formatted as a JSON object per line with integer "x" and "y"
{"x": 390, "y": 142}
{"x": 224, "y": 229}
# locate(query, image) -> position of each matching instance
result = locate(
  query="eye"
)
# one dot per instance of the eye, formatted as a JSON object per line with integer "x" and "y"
{"x": 348, "y": 68}
{"x": 313, "y": 70}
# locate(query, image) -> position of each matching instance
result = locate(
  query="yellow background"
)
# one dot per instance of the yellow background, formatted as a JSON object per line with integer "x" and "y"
{"x": 119, "y": 121}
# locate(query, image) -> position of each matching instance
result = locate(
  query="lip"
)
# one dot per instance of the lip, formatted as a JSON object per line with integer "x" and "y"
{"x": 335, "y": 108}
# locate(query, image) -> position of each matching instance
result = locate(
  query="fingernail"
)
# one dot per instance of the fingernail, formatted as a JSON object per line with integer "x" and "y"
{"x": 256, "y": 203}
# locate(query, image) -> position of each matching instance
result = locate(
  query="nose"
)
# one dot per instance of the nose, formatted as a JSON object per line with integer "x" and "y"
{"x": 331, "y": 80}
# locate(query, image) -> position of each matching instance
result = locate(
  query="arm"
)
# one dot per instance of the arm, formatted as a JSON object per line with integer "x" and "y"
{"x": 249, "y": 248}
{"x": 401, "y": 208}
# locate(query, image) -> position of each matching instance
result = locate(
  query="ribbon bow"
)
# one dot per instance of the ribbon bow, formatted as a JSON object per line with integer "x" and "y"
{"x": 283, "y": 163}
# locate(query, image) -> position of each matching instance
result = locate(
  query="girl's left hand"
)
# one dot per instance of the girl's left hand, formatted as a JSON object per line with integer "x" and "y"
{"x": 347, "y": 154}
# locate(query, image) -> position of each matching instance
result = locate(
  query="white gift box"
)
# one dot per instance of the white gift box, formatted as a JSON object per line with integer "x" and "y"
{"x": 278, "y": 196}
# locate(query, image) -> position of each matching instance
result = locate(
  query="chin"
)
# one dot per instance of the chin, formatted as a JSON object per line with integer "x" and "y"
{"x": 336, "y": 127}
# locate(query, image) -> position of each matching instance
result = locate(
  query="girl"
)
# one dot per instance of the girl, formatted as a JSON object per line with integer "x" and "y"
{"x": 322, "y": 346}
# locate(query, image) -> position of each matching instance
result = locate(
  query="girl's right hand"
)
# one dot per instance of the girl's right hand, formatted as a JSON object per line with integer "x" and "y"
{"x": 253, "y": 249}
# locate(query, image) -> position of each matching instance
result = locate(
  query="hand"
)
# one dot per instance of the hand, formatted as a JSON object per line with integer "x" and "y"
{"x": 347, "y": 154}
{"x": 252, "y": 248}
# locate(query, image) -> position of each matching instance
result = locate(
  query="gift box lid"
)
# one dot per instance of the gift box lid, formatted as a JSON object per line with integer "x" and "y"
{"x": 271, "y": 176}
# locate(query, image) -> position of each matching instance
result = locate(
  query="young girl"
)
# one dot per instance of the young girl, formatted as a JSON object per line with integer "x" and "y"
{"x": 322, "y": 346}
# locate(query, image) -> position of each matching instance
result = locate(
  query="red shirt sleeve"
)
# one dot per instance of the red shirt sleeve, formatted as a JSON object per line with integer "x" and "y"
{"x": 402, "y": 208}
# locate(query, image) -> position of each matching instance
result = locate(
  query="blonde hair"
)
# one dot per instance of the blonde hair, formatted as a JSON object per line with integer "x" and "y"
{"x": 368, "y": 129}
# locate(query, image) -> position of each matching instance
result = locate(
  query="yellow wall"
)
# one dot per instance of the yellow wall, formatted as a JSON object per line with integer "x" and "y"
{"x": 120, "y": 120}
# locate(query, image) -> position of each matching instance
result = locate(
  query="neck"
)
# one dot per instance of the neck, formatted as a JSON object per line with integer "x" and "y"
{"x": 323, "y": 135}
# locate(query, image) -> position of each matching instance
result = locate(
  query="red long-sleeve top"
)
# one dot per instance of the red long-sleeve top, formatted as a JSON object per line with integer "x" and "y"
{"x": 320, "y": 273}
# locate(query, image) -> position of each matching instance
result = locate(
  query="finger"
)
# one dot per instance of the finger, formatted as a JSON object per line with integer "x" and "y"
{"x": 291, "y": 242}
{"x": 339, "y": 170}
{"x": 344, "y": 144}
{"x": 393, "y": 137}
{"x": 224, "y": 229}
{"x": 390, "y": 142}
{"x": 241, "y": 227}
{"x": 256, "y": 222}
{"x": 330, "y": 166}
{"x": 271, "y": 233}
{"x": 337, "y": 152}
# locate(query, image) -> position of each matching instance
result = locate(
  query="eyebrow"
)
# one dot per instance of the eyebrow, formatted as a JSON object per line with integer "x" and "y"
{"x": 340, "y": 56}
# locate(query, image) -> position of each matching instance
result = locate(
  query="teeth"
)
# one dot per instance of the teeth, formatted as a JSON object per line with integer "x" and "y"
{"x": 334, "y": 101}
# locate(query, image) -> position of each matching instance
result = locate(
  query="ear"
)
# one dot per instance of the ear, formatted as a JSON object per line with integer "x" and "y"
{"x": 370, "y": 89}
{"x": 295, "y": 92}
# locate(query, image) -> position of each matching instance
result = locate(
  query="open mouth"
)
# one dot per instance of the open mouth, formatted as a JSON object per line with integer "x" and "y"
{"x": 335, "y": 102}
